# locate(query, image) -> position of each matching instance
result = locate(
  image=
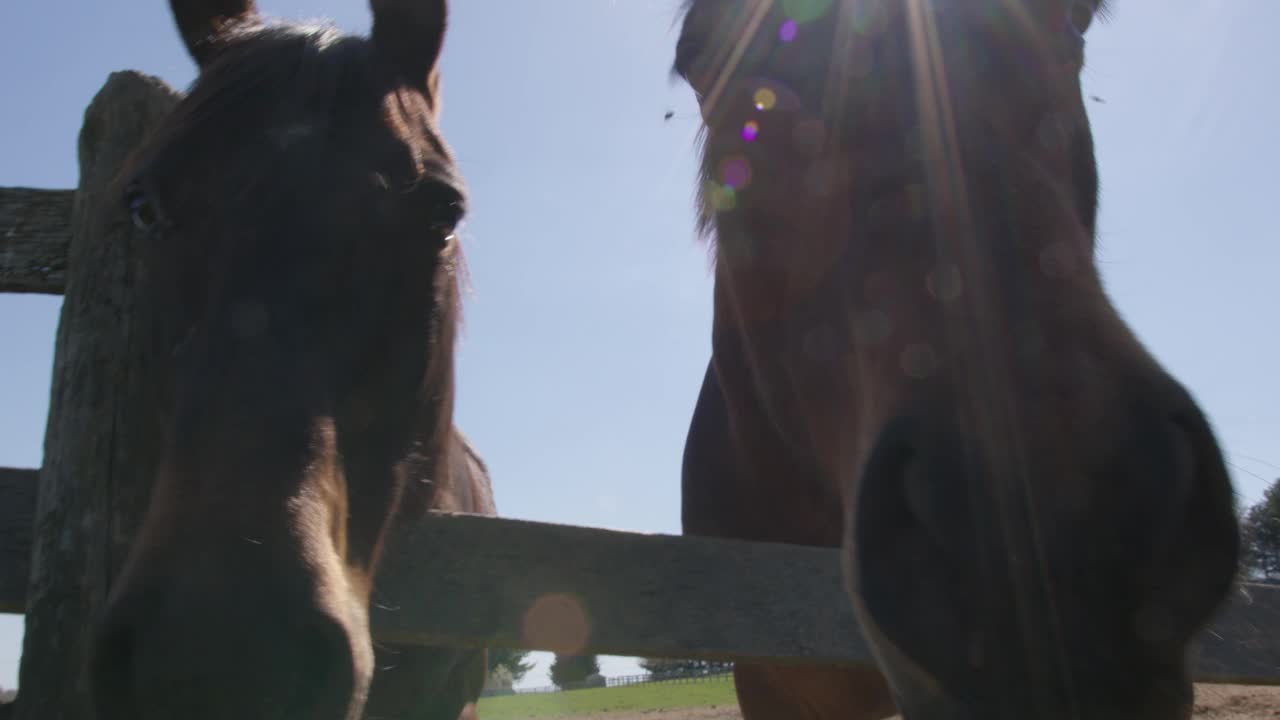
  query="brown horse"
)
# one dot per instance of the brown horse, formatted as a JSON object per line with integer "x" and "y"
{"x": 297, "y": 213}
{"x": 914, "y": 360}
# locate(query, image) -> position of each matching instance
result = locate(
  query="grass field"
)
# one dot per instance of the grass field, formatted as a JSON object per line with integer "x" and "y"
{"x": 633, "y": 698}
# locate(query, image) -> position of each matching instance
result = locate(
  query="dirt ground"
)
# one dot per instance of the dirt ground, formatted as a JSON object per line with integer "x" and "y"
{"x": 1213, "y": 702}
{"x": 1237, "y": 702}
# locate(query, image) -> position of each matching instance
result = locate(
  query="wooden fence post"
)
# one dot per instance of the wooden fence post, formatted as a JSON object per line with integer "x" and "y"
{"x": 97, "y": 456}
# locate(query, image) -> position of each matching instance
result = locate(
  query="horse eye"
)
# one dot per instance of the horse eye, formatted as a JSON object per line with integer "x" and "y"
{"x": 1080, "y": 16}
{"x": 449, "y": 217}
{"x": 447, "y": 208}
{"x": 141, "y": 210}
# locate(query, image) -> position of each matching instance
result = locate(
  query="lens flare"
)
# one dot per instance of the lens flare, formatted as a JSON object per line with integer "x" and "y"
{"x": 557, "y": 622}
{"x": 720, "y": 198}
{"x": 787, "y": 32}
{"x": 735, "y": 172}
{"x": 765, "y": 99}
{"x": 872, "y": 18}
{"x": 803, "y": 11}
{"x": 750, "y": 131}
{"x": 919, "y": 360}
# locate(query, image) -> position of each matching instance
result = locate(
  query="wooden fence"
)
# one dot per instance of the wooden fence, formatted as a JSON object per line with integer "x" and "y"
{"x": 673, "y": 679}
{"x": 64, "y": 528}
{"x": 623, "y": 681}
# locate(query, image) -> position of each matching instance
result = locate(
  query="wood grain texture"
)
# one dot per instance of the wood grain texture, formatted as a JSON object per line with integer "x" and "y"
{"x": 515, "y": 583}
{"x": 1242, "y": 646}
{"x": 35, "y": 232}
{"x": 659, "y": 595}
{"x": 17, "y": 511}
{"x": 96, "y": 451}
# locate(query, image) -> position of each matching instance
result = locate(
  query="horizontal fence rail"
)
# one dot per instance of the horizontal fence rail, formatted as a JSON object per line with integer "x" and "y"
{"x": 520, "y": 584}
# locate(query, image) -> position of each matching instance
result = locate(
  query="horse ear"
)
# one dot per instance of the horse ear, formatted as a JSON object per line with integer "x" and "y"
{"x": 411, "y": 34}
{"x": 202, "y": 22}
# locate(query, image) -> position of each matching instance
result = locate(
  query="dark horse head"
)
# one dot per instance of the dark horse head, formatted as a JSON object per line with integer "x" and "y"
{"x": 1035, "y": 517}
{"x": 298, "y": 211}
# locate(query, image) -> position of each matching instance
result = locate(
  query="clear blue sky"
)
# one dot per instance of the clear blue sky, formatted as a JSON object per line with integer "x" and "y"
{"x": 587, "y": 334}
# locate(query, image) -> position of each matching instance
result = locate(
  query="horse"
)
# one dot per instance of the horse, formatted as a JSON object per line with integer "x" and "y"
{"x": 296, "y": 213}
{"x": 914, "y": 361}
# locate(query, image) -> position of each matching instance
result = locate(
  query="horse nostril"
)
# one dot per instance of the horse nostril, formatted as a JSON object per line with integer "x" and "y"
{"x": 1189, "y": 442}
{"x": 167, "y": 653}
{"x": 1203, "y": 500}
{"x": 1181, "y": 463}
{"x": 1191, "y": 534}
{"x": 327, "y": 675}
{"x": 892, "y": 481}
{"x": 914, "y": 485}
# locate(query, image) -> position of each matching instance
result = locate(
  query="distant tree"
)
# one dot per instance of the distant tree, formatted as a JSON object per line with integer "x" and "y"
{"x": 661, "y": 667}
{"x": 499, "y": 679}
{"x": 516, "y": 662}
{"x": 1260, "y": 536}
{"x": 570, "y": 670}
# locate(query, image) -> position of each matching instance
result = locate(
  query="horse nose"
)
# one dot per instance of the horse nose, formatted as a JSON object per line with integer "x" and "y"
{"x": 1053, "y": 554}
{"x": 161, "y": 653}
{"x": 1197, "y": 556}
{"x": 1163, "y": 489}
{"x": 1144, "y": 473}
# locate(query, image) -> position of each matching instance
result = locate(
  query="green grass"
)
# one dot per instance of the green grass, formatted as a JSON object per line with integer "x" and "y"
{"x": 652, "y": 696}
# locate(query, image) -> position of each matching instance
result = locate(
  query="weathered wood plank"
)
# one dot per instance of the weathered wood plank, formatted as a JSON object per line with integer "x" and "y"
{"x": 97, "y": 451}
{"x": 35, "y": 232}
{"x": 17, "y": 511}
{"x": 670, "y": 596}
{"x": 1242, "y": 646}
{"x": 514, "y": 583}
